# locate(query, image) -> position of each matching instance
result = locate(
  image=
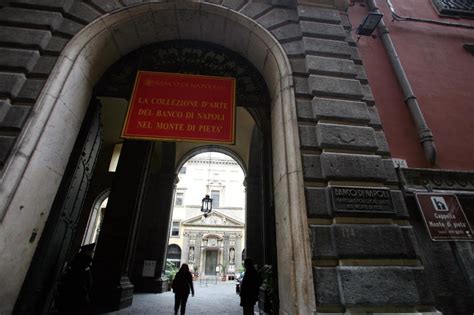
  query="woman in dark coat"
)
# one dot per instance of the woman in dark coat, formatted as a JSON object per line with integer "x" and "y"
{"x": 73, "y": 291}
{"x": 182, "y": 284}
{"x": 250, "y": 287}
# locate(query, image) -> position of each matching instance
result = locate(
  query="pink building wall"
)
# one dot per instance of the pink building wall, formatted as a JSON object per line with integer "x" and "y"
{"x": 441, "y": 73}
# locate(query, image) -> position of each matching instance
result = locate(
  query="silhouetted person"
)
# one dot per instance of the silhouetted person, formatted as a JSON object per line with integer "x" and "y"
{"x": 182, "y": 284}
{"x": 249, "y": 289}
{"x": 74, "y": 288}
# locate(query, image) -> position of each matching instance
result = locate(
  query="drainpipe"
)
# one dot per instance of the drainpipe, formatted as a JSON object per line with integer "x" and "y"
{"x": 424, "y": 132}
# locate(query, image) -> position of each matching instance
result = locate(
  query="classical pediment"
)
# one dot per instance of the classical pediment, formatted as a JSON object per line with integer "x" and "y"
{"x": 215, "y": 218}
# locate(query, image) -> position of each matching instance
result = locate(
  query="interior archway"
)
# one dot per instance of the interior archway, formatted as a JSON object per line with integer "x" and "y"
{"x": 250, "y": 149}
{"x": 95, "y": 220}
{"x": 211, "y": 171}
{"x": 65, "y": 99}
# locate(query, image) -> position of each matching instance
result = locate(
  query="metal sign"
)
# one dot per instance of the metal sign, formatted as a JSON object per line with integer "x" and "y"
{"x": 171, "y": 106}
{"x": 444, "y": 217}
{"x": 149, "y": 267}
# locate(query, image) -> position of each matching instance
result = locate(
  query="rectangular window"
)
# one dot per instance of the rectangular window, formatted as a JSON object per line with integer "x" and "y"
{"x": 215, "y": 194}
{"x": 179, "y": 200}
{"x": 175, "y": 229}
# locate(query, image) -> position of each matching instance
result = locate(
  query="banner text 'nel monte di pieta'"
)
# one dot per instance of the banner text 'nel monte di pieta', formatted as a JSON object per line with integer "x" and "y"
{"x": 181, "y": 107}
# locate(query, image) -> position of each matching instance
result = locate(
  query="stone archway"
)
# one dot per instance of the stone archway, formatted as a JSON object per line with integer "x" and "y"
{"x": 95, "y": 218}
{"x": 211, "y": 148}
{"x": 48, "y": 140}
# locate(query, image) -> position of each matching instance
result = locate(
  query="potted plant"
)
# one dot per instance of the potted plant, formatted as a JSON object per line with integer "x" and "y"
{"x": 223, "y": 270}
{"x": 266, "y": 289}
{"x": 170, "y": 272}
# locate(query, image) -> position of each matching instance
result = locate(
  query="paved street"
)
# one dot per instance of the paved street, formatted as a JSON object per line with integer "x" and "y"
{"x": 210, "y": 298}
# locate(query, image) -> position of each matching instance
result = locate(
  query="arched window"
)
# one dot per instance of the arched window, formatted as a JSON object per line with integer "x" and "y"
{"x": 173, "y": 255}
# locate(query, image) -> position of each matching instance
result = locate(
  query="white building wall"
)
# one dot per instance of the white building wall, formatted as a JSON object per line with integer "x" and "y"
{"x": 207, "y": 172}
{"x": 203, "y": 173}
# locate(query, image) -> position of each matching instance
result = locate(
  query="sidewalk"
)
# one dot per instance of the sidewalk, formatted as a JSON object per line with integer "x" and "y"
{"x": 211, "y": 298}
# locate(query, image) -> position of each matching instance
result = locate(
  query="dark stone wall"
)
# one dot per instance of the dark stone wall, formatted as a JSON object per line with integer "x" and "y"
{"x": 363, "y": 261}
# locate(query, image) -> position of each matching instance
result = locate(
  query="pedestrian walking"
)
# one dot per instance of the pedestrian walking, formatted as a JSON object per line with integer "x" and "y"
{"x": 249, "y": 288}
{"x": 73, "y": 292}
{"x": 182, "y": 285}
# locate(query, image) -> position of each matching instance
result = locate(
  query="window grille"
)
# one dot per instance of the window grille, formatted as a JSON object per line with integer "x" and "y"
{"x": 463, "y": 8}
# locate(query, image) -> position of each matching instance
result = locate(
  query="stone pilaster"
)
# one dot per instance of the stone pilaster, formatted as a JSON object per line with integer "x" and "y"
{"x": 254, "y": 220}
{"x": 238, "y": 251}
{"x": 117, "y": 240}
{"x": 185, "y": 249}
{"x": 198, "y": 253}
{"x": 154, "y": 226}
{"x": 226, "y": 247}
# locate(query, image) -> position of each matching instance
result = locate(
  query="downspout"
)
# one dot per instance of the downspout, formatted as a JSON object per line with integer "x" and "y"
{"x": 424, "y": 132}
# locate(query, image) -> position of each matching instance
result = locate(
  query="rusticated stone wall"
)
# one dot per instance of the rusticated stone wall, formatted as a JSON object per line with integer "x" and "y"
{"x": 32, "y": 35}
{"x": 362, "y": 260}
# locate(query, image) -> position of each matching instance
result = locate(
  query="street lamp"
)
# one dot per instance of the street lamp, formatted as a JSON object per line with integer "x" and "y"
{"x": 368, "y": 25}
{"x": 206, "y": 206}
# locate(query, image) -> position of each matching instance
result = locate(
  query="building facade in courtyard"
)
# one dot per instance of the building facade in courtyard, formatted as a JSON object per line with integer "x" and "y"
{"x": 337, "y": 137}
{"x": 212, "y": 244}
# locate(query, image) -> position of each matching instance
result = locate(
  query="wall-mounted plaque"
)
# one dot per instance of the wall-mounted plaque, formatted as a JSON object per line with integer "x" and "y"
{"x": 149, "y": 267}
{"x": 356, "y": 199}
{"x": 444, "y": 217}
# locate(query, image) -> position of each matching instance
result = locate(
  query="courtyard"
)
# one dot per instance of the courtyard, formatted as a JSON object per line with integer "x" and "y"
{"x": 211, "y": 297}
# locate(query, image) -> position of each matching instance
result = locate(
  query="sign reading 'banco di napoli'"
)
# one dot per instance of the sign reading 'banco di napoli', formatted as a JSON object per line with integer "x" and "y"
{"x": 357, "y": 199}
{"x": 169, "y": 106}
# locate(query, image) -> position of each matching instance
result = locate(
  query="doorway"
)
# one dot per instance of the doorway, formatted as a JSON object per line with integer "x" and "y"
{"x": 211, "y": 263}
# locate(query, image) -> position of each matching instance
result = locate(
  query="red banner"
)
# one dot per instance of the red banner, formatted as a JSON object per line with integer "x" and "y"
{"x": 169, "y": 106}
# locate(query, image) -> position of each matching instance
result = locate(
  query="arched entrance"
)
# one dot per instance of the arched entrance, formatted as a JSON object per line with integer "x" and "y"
{"x": 138, "y": 218}
{"x": 113, "y": 36}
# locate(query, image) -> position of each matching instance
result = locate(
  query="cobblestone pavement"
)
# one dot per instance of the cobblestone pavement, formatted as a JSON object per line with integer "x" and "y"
{"x": 211, "y": 298}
